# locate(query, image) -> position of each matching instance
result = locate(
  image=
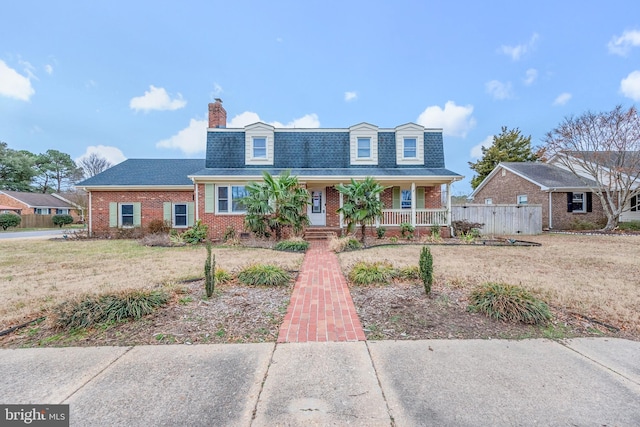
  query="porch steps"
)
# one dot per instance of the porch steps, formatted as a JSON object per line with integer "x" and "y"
{"x": 321, "y": 233}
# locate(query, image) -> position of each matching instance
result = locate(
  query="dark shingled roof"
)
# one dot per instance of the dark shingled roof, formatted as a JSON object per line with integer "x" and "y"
{"x": 147, "y": 172}
{"x": 549, "y": 176}
{"x": 328, "y": 172}
{"x": 38, "y": 200}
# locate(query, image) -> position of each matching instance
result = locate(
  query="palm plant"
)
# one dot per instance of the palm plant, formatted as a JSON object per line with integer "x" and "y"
{"x": 275, "y": 204}
{"x": 362, "y": 203}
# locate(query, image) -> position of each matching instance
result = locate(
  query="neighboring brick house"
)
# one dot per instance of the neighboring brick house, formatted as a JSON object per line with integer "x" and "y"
{"x": 408, "y": 159}
{"x": 564, "y": 197}
{"x": 38, "y": 204}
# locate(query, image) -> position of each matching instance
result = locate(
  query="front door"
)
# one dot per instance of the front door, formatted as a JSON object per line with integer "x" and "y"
{"x": 317, "y": 209}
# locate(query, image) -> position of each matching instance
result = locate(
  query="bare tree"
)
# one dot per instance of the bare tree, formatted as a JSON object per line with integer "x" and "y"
{"x": 93, "y": 164}
{"x": 605, "y": 148}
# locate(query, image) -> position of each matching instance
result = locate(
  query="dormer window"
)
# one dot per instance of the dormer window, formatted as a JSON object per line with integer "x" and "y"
{"x": 364, "y": 148}
{"x": 409, "y": 148}
{"x": 259, "y": 147}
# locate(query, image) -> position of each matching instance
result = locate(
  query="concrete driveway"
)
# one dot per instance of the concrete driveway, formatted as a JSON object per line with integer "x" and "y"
{"x": 31, "y": 234}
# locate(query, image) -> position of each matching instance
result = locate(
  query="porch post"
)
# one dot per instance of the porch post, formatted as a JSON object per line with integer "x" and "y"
{"x": 449, "y": 204}
{"x": 341, "y": 214}
{"x": 378, "y": 218}
{"x": 197, "y": 210}
{"x": 413, "y": 204}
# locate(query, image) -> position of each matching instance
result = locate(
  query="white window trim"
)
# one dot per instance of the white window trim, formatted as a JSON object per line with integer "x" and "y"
{"x": 173, "y": 215}
{"x": 41, "y": 211}
{"x": 526, "y": 197}
{"x": 412, "y": 131}
{"x": 68, "y": 211}
{"x": 133, "y": 215}
{"x": 488, "y": 201}
{"x": 229, "y": 199}
{"x": 363, "y": 130}
{"x": 363, "y": 138}
{"x": 584, "y": 203}
{"x": 259, "y": 130}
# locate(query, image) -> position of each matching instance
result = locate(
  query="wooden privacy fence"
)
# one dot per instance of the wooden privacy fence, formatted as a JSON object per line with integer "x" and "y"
{"x": 501, "y": 219}
{"x": 36, "y": 221}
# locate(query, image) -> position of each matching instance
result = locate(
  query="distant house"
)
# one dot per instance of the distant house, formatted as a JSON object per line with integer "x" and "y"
{"x": 37, "y": 204}
{"x": 408, "y": 159}
{"x": 565, "y": 198}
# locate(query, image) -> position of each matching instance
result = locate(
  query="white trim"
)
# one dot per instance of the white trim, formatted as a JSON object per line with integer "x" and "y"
{"x": 262, "y": 131}
{"x": 526, "y": 198}
{"x": 433, "y": 179}
{"x": 413, "y": 131}
{"x": 173, "y": 215}
{"x": 324, "y": 130}
{"x": 360, "y": 131}
{"x": 584, "y": 201}
{"x": 229, "y": 186}
{"x": 196, "y": 215}
{"x": 133, "y": 215}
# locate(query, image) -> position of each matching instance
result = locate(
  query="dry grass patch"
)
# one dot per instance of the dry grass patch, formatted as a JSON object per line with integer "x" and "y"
{"x": 597, "y": 276}
{"x": 37, "y": 275}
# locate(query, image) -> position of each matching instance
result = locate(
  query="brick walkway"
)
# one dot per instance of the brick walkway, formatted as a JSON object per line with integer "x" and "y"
{"x": 321, "y": 308}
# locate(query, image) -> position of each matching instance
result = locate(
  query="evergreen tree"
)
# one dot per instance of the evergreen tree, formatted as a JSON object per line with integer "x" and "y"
{"x": 509, "y": 146}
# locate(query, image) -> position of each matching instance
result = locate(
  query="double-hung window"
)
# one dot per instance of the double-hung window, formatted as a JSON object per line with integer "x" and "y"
{"x": 364, "y": 148}
{"x": 578, "y": 203}
{"x": 259, "y": 148}
{"x": 230, "y": 198}
{"x": 126, "y": 215}
{"x": 409, "y": 148}
{"x": 42, "y": 211}
{"x": 61, "y": 211}
{"x": 522, "y": 199}
{"x": 180, "y": 215}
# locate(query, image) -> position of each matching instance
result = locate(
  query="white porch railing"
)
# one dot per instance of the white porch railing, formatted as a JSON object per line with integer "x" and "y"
{"x": 423, "y": 217}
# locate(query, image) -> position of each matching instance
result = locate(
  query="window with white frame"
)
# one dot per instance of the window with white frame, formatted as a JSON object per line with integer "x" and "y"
{"x": 364, "y": 148}
{"x": 180, "y": 215}
{"x": 409, "y": 148}
{"x": 42, "y": 211}
{"x": 488, "y": 201}
{"x": 126, "y": 215}
{"x": 61, "y": 211}
{"x": 522, "y": 199}
{"x": 635, "y": 203}
{"x": 259, "y": 147}
{"x": 229, "y": 198}
{"x": 578, "y": 203}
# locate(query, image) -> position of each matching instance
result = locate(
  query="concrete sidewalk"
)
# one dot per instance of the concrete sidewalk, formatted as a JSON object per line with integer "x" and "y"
{"x": 374, "y": 383}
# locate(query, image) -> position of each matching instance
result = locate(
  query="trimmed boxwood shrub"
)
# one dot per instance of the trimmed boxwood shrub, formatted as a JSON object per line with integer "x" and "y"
{"x": 62, "y": 219}
{"x": 9, "y": 220}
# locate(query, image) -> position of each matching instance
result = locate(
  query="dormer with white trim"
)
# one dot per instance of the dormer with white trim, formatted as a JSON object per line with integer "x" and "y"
{"x": 410, "y": 144}
{"x": 363, "y": 144}
{"x": 259, "y": 144}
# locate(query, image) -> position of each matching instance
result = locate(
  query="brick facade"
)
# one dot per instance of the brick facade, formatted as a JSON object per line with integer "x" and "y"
{"x": 26, "y": 210}
{"x": 505, "y": 186}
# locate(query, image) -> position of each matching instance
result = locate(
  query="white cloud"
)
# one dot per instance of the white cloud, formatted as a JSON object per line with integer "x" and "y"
{"x": 623, "y": 44}
{"x": 476, "y": 150}
{"x": 49, "y": 69}
{"x": 90, "y": 84}
{"x": 630, "y": 87}
{"x": 156, "y": 98}
{"x": 455, "y": 120}
{"x": 217, "y": 90}
{"x": 249, "y": 117}
{"x": 190, "y": 140}
{"x": 516, "y": 52}
{"x": 562, "y": 99}
{"x": 531, "y": 76}
{"x": 499, "y": 90}
{"x": 350, "y": 96}
{"x": 13, "y": 84}
{"x": 112, "y": 154}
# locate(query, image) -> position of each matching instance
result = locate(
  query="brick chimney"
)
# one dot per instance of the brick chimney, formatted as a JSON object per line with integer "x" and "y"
{"x": 217, "y": 115}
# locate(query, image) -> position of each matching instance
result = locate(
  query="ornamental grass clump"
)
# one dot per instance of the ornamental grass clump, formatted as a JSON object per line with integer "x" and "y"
{"x": 94, "y": 310}
{"x": 294, "y": 244}
{"x": 507, "y": 302}
{"x": 264, "y": 275}
{"x": 372, "y": 273}
{"x": 209, "y": 271}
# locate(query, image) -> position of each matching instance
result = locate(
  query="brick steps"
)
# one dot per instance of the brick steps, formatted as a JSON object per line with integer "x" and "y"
{"x": 321, "y": 233}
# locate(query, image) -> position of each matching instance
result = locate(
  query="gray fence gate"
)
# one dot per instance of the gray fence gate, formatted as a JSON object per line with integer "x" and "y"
{"x": 501, "y": 220}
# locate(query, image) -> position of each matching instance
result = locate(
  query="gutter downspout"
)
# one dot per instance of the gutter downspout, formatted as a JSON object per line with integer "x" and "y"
{"x": 197, "y": 201}
{"x": 550, "y": 209}
{"x": 90, "y": 217}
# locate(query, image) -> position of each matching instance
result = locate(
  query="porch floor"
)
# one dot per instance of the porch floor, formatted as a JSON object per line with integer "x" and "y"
{"x": 321, "y": 308}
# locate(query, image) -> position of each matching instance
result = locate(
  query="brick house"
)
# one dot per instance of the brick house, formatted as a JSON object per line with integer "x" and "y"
{"x": 38, "y": 204}
{"x": 564, "y": 197}
{"x": 409, "y": 159}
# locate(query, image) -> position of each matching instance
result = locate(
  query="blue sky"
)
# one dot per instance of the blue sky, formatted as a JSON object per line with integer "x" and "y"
{"x": 132, "y": 79}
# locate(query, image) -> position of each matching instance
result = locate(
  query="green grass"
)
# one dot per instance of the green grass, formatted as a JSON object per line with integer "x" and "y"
{"x": 629, "y": 226}
{"x": 263, "y": 274}
{"x": 507, "y": 302}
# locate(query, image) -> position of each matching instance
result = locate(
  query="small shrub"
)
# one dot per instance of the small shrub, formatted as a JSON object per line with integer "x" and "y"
{"x": 464, "y": 227}
{"x": 229, "y": 234}
{"x": 341, "y": 244}
{"x": 426, "y": 268}
{"x": 411, "y": 272}
{"x": 159, "y": 226}
{"x": 94, "y": 310}
{"x": 436, "y": 235}
{"x": 209, "y": 271}
{"x": 9, "y": 220}
{"x": 507, "y": 302}
{"x": 196, "y": 234}
{"x": 629, "y": 226}
{"x": 406, "y": 230}
{"x": 380, "y": 232}
{"x": 223, "y": 276}
{"x": 366, "y": 273}
{"x": 394, "y": 239}
{"x": 62, "y": 219}
{"x": 263, "y": 274}
{"x": 294, "y": 244}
